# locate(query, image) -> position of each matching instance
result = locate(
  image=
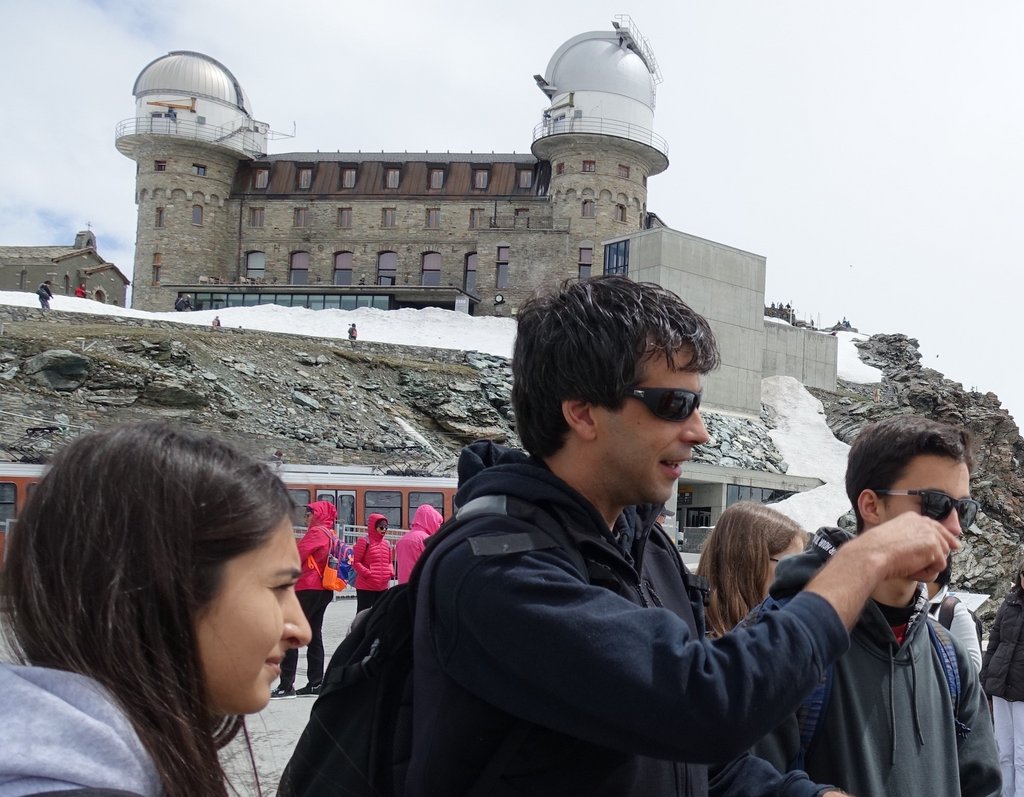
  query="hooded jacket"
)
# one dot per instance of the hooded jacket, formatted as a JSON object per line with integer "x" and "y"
{"x": 64, "y": 731}
{"x": 372, "y": 558}
{"x": 888, "y": 727}
{"x": 316, "y": 542}
{"x": 1002, "y": 671}
{"x": 409, "y": 549}
{"x": 560, "y": 682}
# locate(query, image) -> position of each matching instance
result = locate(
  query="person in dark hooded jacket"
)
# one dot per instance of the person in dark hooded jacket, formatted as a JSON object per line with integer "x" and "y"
{"x": 889, "y": 726}
{"x": 537, "y": 674}
{"x": 314, "y": 598}
{"x": 372, "y": 562}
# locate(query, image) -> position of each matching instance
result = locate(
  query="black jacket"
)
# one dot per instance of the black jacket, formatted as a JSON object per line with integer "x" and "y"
{"x": 1002, "y": 667}
{"x": 606, "y": 676}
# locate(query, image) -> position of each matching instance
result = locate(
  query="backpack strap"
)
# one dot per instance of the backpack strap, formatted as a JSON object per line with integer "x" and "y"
{"x": 942, "y": 644}
{"x": 946, "y": 609}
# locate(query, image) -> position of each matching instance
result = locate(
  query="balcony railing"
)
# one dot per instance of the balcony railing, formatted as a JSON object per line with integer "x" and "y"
{"x": 243, "y": 139}
{"x": 603, "y": 127}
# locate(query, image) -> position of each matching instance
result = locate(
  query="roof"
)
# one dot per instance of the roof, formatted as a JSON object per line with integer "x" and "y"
{"x": 403, "y": 157}
{"x": 193, "y": 74}
{"x": 106, "y": 267}
{"x": 37, "y": 252}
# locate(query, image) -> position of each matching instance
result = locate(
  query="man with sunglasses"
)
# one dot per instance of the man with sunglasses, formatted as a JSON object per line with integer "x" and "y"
{"x": 561, "y": 650}
{"x": 890, "y": 721}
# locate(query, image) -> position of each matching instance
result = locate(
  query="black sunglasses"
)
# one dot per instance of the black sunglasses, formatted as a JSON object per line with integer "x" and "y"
{"x": 937, "y": 505}
{"x": 670, "y": 403}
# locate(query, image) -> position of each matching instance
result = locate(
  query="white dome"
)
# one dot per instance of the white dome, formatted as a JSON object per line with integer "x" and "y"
{"x": 191, "y": 74}
{"x": 597, "y": 62}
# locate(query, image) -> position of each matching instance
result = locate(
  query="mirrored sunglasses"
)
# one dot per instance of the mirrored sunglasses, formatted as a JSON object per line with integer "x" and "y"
{"x": 937, "y": 505}
{"x": 670, "y": 403}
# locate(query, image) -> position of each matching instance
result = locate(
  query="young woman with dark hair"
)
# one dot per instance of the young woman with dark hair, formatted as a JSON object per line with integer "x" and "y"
{"x": 739, "y": 560}
{"x": 148, "y": 598}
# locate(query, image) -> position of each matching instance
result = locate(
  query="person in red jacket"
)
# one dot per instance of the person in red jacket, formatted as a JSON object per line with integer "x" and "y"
{"x": 372, "y": 563}
{"x": 408, "y": 550}
{"x": 313, "y": 598}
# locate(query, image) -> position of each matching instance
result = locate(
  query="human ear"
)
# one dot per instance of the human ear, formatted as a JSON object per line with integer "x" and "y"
{"x": 869, "y": 503}
{"x": 579, "y": 415}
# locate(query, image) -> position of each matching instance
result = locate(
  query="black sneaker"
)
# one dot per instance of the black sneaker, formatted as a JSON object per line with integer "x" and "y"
{"x": 308, "y": 690}
{"x": 281, "y": 692}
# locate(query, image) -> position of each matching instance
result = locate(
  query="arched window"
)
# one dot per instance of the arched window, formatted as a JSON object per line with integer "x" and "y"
{"x": 469, "y": 275}
{"x": 431, "y": 269}
{"x": 298, "y": 270}
{"x": 197, "y": 214}
{"x": 255, "y": 265}
{"x": 620, "y": 213}
{"x": 589, "y": 209}
{"x": 387, "y": 268}
{"x": 343, "y": 268}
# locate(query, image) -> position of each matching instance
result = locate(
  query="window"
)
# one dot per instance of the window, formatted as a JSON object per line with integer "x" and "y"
{"x": 300, "y": 218}
{"x": 588, "y": 209}
{"x": 559, "y": 168}
{"x": 590, "y": 166}
{"x": 433, "y": 218}
{"x": 525, "y": 178}
{"x": 417, "y": 499}
{"x": 586, "y": 261}
{"x": 469, "y": 274}
{"x": 159, "y": 166}
{"x": 480, "y": 178}
{"x": 620, "y": 213}
{"x": 261, "y": 178}
{"x": 9, "y": 494}
{"x": 199, "y": 169}
{"x": 431, "y": 269}
{"x": 157, "y": 262}
{"x": 298, "y": 271}
{"x": 623, "y": 171}
{"x": 159, "y": 220}
{"x": 501, "y": 268}
{"x": 476, "y": 217}
{"x": 385, "y": 502}
{"x": 616, "y": 258}
{"x": 305, "y": 177}
{"x": 343, "y": 268}
{"x": 348, "y": 177}
{"x": 437, "y": 178}
{"x": 255, "y": 265}
{"x": 345, "y": 217}
{"x": 255, "y": 217}
{"x": 197, "y": 214}
{"x": 387, "y": 217}
{"x": 387, "y": 265}
{"x": 391, "y": 178}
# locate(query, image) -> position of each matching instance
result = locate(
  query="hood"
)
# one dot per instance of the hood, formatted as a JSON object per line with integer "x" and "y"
{"x": 486, "y": 468}
{"x": 371, "y": 526}
{"x": 792, "y": 574}
{"x": 63, "y": 730}
{"x": 324, "y": 513}
{"x": 427, "y": 519}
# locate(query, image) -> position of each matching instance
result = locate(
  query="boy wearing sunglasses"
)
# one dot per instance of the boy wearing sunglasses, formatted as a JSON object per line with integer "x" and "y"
{"x": 572, "y": 660}
{"x": 887, "y": 722}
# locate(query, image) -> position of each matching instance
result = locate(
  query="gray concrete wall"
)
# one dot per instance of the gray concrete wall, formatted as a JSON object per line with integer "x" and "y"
{"x": 803, "y": 354}
{"x": 726, "y": 286}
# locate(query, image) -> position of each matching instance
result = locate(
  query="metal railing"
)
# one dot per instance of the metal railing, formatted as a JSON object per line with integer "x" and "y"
{"x": 601, "y": 126}
{"x": 242, "y": 138}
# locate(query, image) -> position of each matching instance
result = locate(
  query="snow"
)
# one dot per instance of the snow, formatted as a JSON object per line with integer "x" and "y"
{"x": 802, "y": 435}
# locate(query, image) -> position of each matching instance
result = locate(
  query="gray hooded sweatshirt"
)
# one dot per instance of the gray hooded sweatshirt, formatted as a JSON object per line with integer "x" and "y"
{"x": 63, "y": 731}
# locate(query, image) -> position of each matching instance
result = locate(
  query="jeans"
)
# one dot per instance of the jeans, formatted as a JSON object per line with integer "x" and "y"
{"x": 314, "y": 603}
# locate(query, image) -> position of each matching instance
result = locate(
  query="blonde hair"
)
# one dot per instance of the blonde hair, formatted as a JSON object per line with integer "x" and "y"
{"x": 735, "y": 560}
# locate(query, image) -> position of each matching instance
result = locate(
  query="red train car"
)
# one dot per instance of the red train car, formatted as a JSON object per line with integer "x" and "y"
{"x": 16, "y": 483}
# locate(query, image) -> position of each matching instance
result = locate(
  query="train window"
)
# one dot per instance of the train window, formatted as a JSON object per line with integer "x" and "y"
{"x": 301, "y": 498}
{"x": 436, "y": 500}
{"x": 384, "y": 502}
{"x": 344, "y": 501}
{"x": 8, "y": 498}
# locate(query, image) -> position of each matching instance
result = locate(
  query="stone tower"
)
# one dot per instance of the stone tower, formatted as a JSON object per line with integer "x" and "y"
{"x": 192, "y": 127}
{"x": 598, "y": 133}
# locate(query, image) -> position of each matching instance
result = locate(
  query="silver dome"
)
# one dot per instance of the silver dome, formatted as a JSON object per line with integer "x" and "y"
{"x": 192, "y": 74}
{"x": 596, "y": 61}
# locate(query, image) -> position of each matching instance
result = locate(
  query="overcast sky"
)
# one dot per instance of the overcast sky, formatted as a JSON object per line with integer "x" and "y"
{"x": 871, "y": 151}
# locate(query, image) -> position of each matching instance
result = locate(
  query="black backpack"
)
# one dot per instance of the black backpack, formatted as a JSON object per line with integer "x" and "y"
{"x": 946, "y": 609}
{"x": 358, "y": 741}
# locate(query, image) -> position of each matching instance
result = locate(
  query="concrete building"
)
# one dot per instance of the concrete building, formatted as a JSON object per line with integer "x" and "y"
{"x": 223, "y": 220}
{"x": 23, "y": 268}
